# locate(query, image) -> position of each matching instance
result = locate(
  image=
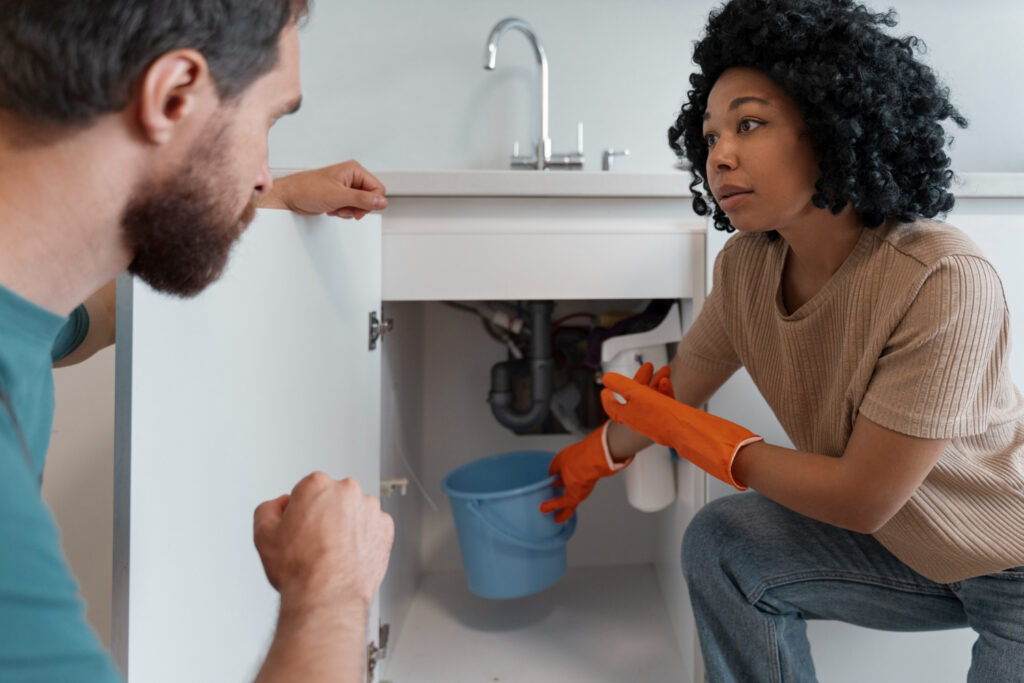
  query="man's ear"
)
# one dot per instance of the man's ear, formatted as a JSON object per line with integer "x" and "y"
{"x": 175, "y": 87}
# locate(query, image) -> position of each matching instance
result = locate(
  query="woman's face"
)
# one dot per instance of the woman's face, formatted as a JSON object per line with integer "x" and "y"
{"x": 761, "y": 166}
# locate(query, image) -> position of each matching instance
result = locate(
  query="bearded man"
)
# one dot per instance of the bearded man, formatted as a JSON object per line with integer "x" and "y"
{"x": 133, "y": 135}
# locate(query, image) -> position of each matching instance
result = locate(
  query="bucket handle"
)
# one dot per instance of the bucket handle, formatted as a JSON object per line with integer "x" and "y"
{"x": 553, "y": 543}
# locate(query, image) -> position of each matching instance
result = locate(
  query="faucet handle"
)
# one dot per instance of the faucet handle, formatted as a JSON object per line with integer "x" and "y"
{"x": 524, "y": 162}
{"x": 569, "y": 160}
{"x": 608, "y": 157}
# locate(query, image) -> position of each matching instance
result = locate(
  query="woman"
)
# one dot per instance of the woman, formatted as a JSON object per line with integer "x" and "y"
{"x": 878, "y": 337}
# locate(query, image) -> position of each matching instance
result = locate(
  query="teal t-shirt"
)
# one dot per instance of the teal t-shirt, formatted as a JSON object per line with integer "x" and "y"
{"x": 44, "y": 635}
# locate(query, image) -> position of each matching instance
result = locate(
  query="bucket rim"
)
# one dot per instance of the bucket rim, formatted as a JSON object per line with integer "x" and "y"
{"x": 506, "y": 493}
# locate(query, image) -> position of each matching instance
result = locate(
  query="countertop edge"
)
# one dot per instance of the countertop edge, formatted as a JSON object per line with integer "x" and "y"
{"x": 613, "y": 184}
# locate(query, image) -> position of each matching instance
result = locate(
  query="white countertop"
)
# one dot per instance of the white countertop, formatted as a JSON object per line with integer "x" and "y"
{"x": 990, "y": 185}
{"x": 612, "y": 184}
{"x": 535, "y": 184}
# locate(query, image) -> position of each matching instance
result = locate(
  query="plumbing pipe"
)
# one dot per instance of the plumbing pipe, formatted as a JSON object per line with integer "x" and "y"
{"x": 540, "y": 364}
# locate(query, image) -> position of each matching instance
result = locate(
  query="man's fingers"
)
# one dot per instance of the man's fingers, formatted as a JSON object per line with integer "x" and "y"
{"x": 367, "y": 181}
{"x": 312, "y": 484}
{"x": 362, "y": 179}
{"x": 268, "y": 514}
{"x": 354, "y": 200}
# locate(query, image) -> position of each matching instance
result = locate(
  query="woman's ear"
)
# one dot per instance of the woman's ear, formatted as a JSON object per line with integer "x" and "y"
{"x": 175, "y": 87}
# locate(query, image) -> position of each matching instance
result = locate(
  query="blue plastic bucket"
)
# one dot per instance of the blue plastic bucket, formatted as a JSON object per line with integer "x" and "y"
{"x": 509, "y": 549}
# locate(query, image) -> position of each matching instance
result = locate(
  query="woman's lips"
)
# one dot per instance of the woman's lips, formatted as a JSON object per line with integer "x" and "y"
{"x": 734, "y": 200}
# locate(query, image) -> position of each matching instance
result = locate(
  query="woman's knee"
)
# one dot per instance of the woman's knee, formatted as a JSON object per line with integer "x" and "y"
{"x": 709, "y": 536}
{"x": 730, "y": 529}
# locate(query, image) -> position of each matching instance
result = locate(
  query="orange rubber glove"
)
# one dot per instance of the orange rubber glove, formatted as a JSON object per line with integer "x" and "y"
{"x": 580, "y": 465}
{"x": 709, "y": 442}
{"x": 662, "y": 381}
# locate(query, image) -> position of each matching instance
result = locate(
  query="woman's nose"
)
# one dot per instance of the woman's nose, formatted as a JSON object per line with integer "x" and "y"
{"x": 722, "y": 156}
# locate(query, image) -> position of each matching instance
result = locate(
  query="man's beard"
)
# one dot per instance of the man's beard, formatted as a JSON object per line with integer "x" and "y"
{"x": 181, "y": 229}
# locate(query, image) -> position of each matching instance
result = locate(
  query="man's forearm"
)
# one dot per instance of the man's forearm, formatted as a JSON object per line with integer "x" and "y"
{"x": 317, "y": 643}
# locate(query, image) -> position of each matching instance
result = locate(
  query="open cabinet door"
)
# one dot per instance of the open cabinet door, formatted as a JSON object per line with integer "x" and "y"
{"x": 224, "y": 401}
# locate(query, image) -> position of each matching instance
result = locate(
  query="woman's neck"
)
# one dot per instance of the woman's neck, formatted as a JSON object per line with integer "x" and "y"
{"x": 816, "y": 252}
{"x": 819, "y": 247}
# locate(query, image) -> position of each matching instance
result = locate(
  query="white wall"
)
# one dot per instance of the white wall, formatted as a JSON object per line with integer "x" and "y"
{"x": 400, "y": 85}
{"x": 78, "y": 482}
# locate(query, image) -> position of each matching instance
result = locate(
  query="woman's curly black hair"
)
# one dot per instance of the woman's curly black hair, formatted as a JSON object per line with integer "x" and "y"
{"x": 873, "y": 111}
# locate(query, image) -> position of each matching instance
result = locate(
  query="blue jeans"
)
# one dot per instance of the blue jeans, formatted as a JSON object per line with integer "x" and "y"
{"x": 756, "y": 571}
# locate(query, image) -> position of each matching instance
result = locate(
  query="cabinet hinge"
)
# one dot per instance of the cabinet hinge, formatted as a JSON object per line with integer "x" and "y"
{"x": 374, "y": 653}
{"x": 378, "y": 329}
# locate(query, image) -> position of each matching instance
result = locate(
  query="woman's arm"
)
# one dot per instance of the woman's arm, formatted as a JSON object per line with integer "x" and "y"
{"x": 877, "y": 474}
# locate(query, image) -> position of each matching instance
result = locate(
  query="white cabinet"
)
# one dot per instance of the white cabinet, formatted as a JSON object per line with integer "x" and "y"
{"x": 620, "y": 613}
{"x": 229, "y": 399}
{"x": 224, "y": 402}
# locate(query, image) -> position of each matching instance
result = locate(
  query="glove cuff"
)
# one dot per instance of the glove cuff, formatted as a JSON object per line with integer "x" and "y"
{"x": 728, "y": 470}
{"x": 612, "y": 465}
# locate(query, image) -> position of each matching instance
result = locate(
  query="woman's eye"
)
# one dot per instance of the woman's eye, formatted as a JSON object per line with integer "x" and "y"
{"x": 747, "y": 125}
{"x": 710, "y": 139}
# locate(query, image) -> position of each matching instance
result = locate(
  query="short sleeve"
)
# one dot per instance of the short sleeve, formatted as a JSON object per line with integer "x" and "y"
{"x": 938, "y": 375}
{"x": 72, "y": 334}
{"x": 707, "y": 345}
{"x": 44, "y": 635}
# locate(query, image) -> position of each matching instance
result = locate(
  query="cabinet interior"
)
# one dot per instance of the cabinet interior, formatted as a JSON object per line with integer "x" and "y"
{"x": 623, "y": 584}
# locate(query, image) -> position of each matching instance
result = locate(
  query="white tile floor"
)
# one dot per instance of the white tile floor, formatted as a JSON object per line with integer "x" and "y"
{"x": 597, "y": 625}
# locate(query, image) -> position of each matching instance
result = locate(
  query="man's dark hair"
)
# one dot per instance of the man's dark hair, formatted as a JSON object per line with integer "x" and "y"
{"x": 69, "y": 61}
{"x": 873, "y": 111}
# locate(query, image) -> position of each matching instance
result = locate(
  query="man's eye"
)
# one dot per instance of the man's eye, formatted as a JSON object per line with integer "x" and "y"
{"x": 747, "y": 125}
{"x": 710, "y": 139}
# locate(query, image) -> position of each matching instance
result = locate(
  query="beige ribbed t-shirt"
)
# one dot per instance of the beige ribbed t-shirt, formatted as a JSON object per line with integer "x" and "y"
{"x": 913, "y": 332}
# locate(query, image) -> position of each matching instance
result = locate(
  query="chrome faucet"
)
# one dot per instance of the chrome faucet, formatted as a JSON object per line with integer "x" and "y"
{"x": 543, "y": 158}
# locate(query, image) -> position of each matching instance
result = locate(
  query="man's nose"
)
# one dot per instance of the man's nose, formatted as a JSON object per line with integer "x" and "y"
{"x": 264, "y": 181}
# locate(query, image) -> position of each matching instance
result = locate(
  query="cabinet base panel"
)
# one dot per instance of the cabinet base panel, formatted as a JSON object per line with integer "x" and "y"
{"x": 596, "y": 625}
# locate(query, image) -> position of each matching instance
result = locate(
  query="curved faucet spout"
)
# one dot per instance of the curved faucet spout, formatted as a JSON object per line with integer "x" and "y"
{"x": 491, "y": 60}
{"x": 491, "y": 52}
